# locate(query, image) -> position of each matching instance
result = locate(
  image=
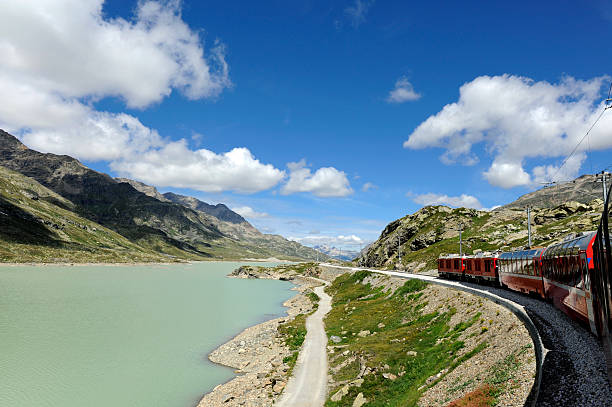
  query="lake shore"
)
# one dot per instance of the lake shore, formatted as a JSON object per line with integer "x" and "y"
{"x": 169, "y": 263}
{"x": 258, "y": 353}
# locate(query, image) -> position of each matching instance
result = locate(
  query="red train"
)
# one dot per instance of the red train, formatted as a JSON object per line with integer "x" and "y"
{"x": 560, "y": 273}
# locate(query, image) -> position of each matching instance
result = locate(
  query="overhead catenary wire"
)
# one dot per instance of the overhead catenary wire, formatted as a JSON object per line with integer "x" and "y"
{"x": 578, "y": 145}
{"x": 607, "y": 105}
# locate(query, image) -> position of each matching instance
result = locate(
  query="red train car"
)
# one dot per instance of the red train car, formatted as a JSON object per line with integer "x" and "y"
{"x": 567, "y": 269}
{"x": 482, "y": 267}
{"x": 521, "y": 271}
{"x": 451, "y": 266}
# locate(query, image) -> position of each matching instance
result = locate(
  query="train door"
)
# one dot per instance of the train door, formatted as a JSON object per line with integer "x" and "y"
{"x": 584, "y": 284}
{"x": 601, "y": 274}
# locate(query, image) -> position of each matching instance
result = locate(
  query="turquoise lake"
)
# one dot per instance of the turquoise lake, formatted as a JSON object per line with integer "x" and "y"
{"x": 123, "y": 335}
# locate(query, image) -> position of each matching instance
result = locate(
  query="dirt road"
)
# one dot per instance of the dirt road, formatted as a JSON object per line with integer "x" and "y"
{"x": 308, "y": 385}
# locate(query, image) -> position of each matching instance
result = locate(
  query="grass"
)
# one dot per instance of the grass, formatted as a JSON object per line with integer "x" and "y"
{"x": 404, "y": 343}
{"x": 293, "y": 333}
{"x": 500, "y": 379}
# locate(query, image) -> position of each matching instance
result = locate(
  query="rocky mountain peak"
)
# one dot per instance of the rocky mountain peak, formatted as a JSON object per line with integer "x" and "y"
{"x": 219, "y": 211}
{"x": 10, "y": 142}
{"x": 144, "y": 188}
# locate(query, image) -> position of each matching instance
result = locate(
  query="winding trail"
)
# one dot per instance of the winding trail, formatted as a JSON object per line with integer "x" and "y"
{"x": 308, "y": 385}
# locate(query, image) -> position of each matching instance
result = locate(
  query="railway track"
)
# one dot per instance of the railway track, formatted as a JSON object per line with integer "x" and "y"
{"x": 572, "y": 370}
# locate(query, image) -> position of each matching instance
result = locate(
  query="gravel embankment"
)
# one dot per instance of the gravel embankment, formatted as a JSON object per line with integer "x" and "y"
{"x": 574, "y": 371}
{"x": 257, "y": 354}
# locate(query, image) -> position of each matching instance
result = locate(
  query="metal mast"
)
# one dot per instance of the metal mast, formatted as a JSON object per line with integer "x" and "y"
{"x": 399, "y": 249}
{"x": 604, "y": 181}
{"x": 529, "y": 225}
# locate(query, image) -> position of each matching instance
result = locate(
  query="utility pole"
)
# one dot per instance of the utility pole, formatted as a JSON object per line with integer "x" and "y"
{"x": 529, "y": 225}
{"x": 460, "y": 240}
{"x": 604, "y": 180}
{"x": 399, "y": 249}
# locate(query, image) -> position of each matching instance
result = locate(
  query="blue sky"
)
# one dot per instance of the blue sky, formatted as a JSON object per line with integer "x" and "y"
{"x": 348, "y": 114}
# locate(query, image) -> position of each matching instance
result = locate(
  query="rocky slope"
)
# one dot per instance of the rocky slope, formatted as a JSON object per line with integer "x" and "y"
{"x": 434, "y": 230}
{"x": 243, "y": 236}
{"x": 140, "y": 214}
{"x": 583, "y": 189}
{"x": 38, "y": 225}
{"x": 219, "y": 211}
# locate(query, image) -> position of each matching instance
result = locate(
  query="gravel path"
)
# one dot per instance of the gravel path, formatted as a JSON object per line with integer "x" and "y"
{"x": 574, "y": 372}
{"x": 308, "y": 385}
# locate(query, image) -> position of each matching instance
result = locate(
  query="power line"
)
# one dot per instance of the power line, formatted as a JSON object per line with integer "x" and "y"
{"x": 581, "y": 140}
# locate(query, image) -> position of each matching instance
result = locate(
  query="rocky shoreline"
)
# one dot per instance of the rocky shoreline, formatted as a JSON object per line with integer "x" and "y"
{"x": 257, "y": 353}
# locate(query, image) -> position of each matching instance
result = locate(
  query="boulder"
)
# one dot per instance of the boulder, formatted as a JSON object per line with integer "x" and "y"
{"x": 359, "y": 400}
{"x": 363, "y": 334}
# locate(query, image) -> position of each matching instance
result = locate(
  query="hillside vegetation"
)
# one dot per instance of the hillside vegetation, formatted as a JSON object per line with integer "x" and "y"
{"x": 396, "y": 342}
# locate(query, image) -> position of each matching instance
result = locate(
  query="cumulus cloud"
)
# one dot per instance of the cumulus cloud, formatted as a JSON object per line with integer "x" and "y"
{"x": 357, "y": 12}
{"x": 69, "y": 48}
{"x": 248, "y": 212}
{"x": 462, "y": 201}
{"x": 403, "y": 92}
{"x": 325, "y": 182}
{"x": 60, "y": 57}
{"x": 518, "y": 119}
{"x": 176, "y": 165}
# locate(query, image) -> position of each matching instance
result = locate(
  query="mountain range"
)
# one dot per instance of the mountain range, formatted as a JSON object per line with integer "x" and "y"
{"x": 53, "y": 191}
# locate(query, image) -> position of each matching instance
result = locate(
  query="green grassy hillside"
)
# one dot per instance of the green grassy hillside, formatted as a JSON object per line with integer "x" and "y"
{"x": 38, "y": 225}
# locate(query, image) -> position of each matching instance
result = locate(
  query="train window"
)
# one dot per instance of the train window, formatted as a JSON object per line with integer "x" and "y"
{"x": 456, "y": 265}
{"x": 469, "y": 265}
{"x": 578, "y": 271}
{"x": 529, "y": 268}
{"x": 478, "y": 265}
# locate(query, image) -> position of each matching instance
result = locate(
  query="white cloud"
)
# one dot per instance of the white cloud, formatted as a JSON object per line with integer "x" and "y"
{"x": 325, "y": 182}
{"x": 248, "y": 212}
{"x": 367, "y": 186}
{"x": 176, "y": 165}
{"x": 69, "y": 48}
{"x": 462, "y": 201}
{"x": 518, "y": 119}
{"x": 357, "y": 12}
{"x": 340, "y": 240}
{"x": 61, "y": 56}
{"x": 403, "y": 92}
{"x": 506, "y": 174}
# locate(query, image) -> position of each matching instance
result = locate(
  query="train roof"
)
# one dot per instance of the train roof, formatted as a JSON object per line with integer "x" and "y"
{"x": 571, "y": 245}
{"x": 521, "y": 254}
{"x": 479, "y": 255}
